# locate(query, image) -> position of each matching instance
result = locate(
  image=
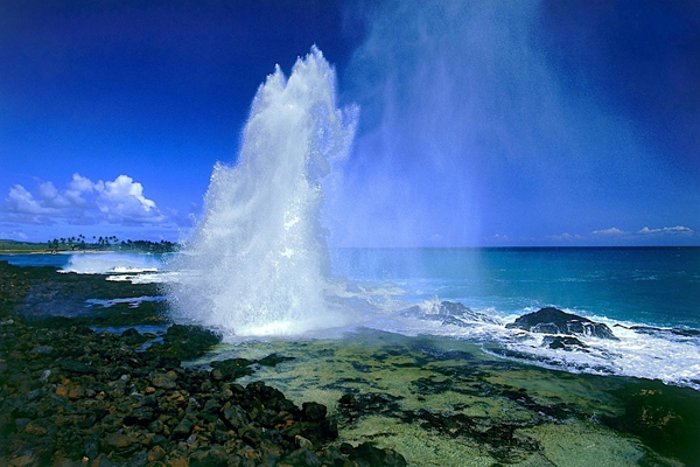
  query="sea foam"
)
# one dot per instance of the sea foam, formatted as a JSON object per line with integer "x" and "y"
{"x": 112, "y": 263}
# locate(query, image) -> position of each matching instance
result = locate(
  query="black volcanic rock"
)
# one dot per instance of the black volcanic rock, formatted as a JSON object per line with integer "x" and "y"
{"x": 372, "y": 455}
{"x": 448, "y": 313}
{"x": 564, "y": 343}
{"x": 233, "y": 368}
{"x": 653, "y": 330}
{"x": 111, "y": 404}
{"x": 551, "y": 320}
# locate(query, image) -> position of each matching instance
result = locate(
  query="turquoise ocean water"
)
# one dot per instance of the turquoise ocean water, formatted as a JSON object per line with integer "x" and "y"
{"x": 655, "y": 286}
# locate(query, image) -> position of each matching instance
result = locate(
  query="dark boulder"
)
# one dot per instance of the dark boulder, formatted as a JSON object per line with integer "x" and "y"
{"x": 140, "y": 416}
{"x": 185, "y": 342}
{"x": 74, "y": 366}
{"x": 181, "y": 343}
{"x": 274, "y": 359}
{"x": 564, "y": 343}
{"x": 551, "y": 320}
{"x": 234, "y": 416}
{"x": 232, "y": 368}
{"x": 164, "y": 380}
{"x": 214, "y": 456}
{"x": 183, "y": 429}
{"x": 683, "y": 332}
{"x": 118, "y": 441}
{"x": 313, "y": 411}
{"x": 302, "y": 457}
{"x": 367, "y": 454}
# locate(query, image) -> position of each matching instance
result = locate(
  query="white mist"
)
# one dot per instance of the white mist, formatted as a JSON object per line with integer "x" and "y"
{"x": 257, "y": 263}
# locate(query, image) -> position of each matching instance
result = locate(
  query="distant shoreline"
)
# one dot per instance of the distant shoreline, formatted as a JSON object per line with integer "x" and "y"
{"x": 62, "y": 252}
{"x": 36, "y": 251}
{"x": 79, "y": 245}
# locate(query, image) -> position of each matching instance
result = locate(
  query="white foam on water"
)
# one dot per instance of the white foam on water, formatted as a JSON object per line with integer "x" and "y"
{"x": 640, "y": 355}
{"x": 147, "y": 277}
{"x": 663, "y": 355}
{"x": 112, "y": 263}
{"x": 133, "y": 302}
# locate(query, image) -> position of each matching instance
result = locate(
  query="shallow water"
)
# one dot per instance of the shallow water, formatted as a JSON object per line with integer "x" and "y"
{"x": 39, "y": 259}
{"x": 443, "y": 401}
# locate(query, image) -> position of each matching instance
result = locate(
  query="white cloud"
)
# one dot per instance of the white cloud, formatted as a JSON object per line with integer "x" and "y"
{"x": 565, "y": 237}
{"x": 675, "y": 230}
{"x": 19, "y": 200}
{"x": 51, "y": 197}
{"x": 121, "y": 201}
{"x": 78, "y": 186}
{"x": 13, "y": 235}
{"x": 609, "y": 232}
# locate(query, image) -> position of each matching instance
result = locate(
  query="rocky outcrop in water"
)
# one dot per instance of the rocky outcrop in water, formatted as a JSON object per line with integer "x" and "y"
{"x": 564, "y": 343}
{"x": 551, "y": 320}
{"x": 693, "y": 333}
{"x": 446, "y": 312}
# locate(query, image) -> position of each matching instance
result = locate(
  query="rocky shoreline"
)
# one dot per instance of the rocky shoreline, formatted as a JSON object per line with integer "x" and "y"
{"x": 102, "y": 382}
{"x": 70, "y": 395}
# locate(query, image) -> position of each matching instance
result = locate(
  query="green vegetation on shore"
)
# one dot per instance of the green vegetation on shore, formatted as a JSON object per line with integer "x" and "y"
{"x": 13, "y": 246}
{"x": 80, "y": 243}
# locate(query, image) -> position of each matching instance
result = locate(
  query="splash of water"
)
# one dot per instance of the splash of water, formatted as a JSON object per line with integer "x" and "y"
{"x": 258, "y": 262}
{"x": 112, "y": 263}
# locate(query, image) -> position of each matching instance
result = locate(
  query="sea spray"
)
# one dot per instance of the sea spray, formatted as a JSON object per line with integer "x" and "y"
{"x": 112, "y": 263}
{"x": 258, "y": 261}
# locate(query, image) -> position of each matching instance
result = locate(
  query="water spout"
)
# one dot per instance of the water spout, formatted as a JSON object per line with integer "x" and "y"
{"x": 258, "y": 261}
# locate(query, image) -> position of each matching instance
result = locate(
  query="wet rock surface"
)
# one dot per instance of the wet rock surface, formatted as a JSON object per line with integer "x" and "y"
{"x": 503, "y": 438}
{"x": 554, "y": 321}
{"x": 653, "y": 330}
{"x": 73, "y": 396}
{"x": 446, "y": 312}
{"x": 564, "y": 343}
{"x": 666, "y": 418}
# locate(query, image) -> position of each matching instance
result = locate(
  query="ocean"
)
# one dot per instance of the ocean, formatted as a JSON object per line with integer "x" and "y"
{"x": 652, "y": 286}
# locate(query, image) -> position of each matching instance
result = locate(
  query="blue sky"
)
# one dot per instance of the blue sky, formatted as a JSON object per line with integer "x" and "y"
{"x": 482, "y": 123}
